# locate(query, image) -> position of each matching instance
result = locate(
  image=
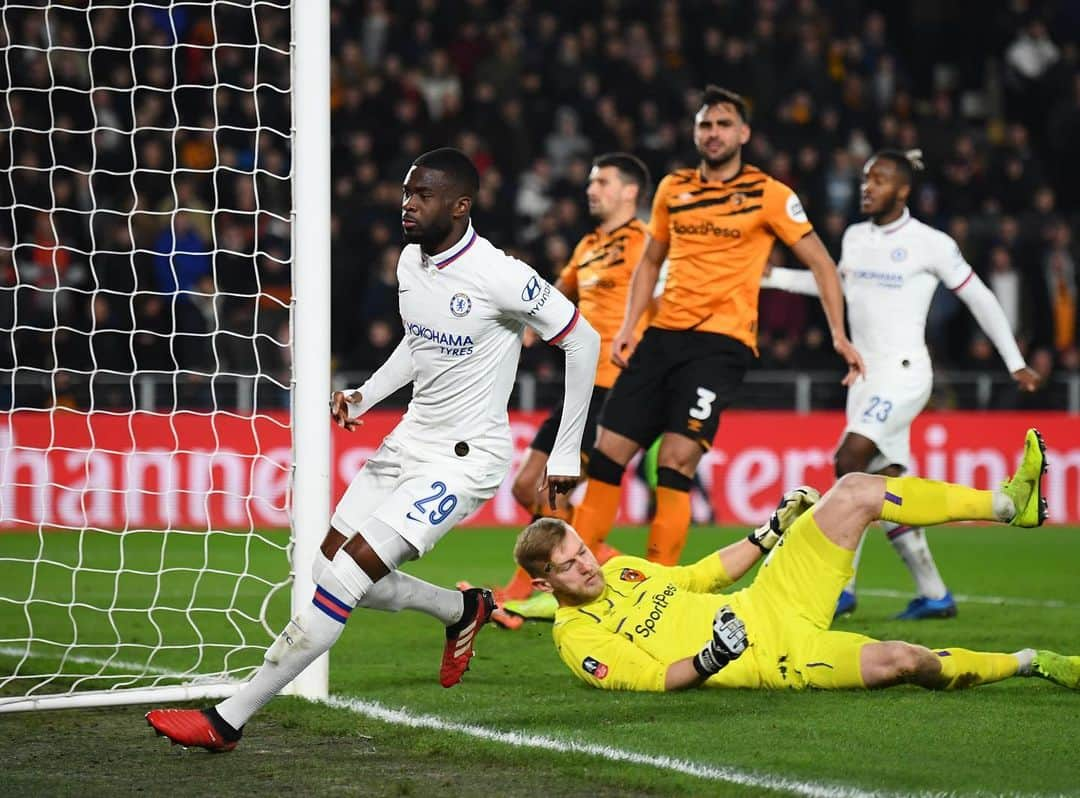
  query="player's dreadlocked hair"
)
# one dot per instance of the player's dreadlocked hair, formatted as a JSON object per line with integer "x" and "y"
{"x": 714, "y": 95}
{"x": 536, "y": 542}
{"x": 630, "y": 168}
{"x": 456, "y": 165}
{"x": 907, "y": 162}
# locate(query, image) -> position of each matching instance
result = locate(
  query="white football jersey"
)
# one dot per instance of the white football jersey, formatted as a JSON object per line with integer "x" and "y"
{"x": 464, "y": 311}
{"x": 890, "y": 274}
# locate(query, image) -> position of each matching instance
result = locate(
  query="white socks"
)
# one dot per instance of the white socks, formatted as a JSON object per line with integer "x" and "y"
{"x": 913, "y": 549}
{"x": 910, "y": 543}
{"x": 1003, "y": 506}
{"x": 1026, "y": 658}
{"x": 399, "y": 591}
{"x": 312, "y": 632}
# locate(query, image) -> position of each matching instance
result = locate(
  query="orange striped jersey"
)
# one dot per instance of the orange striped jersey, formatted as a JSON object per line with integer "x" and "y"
{"x": 600, "y": 271}
{"x": 720, "y": 233}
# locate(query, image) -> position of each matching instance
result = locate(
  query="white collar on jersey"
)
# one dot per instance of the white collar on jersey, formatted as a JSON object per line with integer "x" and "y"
{"x": 443, "y": 259}
{"x": 894, "y": 225}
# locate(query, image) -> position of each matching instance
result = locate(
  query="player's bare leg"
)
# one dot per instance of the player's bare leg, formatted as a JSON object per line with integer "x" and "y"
{"x": 885, "y": 664}
{"x": 356, "y": 575}
{"x": 855, "y": 454}
{"x": 397, "y": 590}
{"x": 594, "y": 517}
{"x": 354, "y": 569}
{"x": 677, "y": 461}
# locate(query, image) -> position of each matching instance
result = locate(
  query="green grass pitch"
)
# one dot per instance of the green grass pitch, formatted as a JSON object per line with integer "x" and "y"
{"x": 1011, "y": 738}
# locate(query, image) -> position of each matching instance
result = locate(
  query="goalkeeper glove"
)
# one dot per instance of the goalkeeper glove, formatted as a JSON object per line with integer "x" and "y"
{"x": 794, "y": 503}
{"x": 728, "y": 642}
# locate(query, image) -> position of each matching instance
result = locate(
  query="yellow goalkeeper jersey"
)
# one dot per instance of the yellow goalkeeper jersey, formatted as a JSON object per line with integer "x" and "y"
{"x": 648, "y": 617}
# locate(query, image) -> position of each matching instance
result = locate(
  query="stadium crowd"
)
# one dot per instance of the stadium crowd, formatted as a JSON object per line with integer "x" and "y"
{"x": 98, "y": 174}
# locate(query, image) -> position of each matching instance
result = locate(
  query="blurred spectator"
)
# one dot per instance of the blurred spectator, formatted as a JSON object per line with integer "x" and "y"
{"x": 167, "y": 172}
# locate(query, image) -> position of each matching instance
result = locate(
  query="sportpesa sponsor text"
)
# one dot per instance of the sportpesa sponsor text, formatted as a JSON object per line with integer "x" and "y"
{"x": 706, "y": 228}
{"x": 660, "y": 602}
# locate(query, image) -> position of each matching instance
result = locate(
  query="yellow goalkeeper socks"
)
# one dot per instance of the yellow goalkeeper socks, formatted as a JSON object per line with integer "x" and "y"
{"x": 925, "y": 502}
{"x": 962, "y": 668}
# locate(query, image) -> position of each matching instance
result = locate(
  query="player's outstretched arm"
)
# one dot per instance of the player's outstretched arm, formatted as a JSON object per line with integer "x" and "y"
{"x": 795, "y": 281}
{"x": 642, "y": 285}
{"x": 582, "y": 346}
{"x": 391, "y": 376}
{"x": 812, "y": 252}
{"x": 991, "y": 317}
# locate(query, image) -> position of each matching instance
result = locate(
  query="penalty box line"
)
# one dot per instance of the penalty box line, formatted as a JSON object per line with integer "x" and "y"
{"x": 521, "y": 739}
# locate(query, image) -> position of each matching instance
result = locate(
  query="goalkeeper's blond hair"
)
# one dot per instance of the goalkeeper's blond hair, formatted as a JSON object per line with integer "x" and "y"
{"x": 536, "y": 542}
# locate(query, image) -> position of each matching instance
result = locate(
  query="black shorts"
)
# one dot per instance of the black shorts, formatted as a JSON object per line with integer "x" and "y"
{"x": 545, "y": 436}
{"x": 676, "y": 381}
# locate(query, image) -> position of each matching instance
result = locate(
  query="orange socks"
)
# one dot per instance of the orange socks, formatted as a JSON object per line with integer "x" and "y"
{"x": 594, "y": 517}
{"x": 671, "y": 525}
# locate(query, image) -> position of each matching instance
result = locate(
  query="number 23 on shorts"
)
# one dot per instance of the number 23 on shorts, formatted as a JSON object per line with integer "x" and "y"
{"x": 877, "y": 409}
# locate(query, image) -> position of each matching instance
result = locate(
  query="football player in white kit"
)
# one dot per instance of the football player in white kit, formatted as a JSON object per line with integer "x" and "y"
{"x": 465, "y": 305}
{"x": 890, "y": 267}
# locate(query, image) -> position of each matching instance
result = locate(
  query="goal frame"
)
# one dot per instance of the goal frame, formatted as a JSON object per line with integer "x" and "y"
{"x": 311, "y": 378}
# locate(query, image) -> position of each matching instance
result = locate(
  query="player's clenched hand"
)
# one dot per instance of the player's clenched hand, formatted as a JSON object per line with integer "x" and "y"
{"x": 553, "y": 484}
{"x": 622, "y": 348}
{"x": 847, "y": 350}
{"x": 1028, "y": 378}
{"x": 728, "y": 642}
{"x": 529, "y": 337}
{"x": 793, "y": 504}
{"x": 339, "y": 409}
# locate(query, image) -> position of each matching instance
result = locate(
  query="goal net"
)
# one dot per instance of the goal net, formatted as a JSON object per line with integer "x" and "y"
{"x": 146, "y": 358}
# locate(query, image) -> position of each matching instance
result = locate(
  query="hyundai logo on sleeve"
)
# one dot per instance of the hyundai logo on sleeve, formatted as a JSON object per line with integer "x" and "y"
{"x": 531, "y": 290}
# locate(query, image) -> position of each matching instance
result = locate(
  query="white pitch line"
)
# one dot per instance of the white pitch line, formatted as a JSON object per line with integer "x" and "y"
{"x": 133, "y": 667}
{"x": 1046, "y": 604}
{"x": 520, "y": 739}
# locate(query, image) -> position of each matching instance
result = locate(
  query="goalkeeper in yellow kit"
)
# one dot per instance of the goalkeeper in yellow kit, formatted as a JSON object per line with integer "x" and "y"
{"x": 637, "y": 625}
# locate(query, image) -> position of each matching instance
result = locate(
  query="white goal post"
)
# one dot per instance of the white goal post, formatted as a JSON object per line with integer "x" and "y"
{"x": 165, "y": 369}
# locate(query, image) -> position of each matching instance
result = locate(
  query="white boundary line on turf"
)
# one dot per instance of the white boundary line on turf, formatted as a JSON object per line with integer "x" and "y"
{"x": 138, "y": 667}
{"x": 402, "y": 717}
{"x": 1048, "y": 604}
{"x": 730, "y": 775}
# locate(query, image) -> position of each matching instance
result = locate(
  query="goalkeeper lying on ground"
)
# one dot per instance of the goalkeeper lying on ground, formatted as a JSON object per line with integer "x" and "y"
{"x": 636, "y": 625}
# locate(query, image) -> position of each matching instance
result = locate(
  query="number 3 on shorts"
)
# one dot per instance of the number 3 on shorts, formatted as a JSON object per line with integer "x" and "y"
{"x": 444, "y": 507}
{"x": 703, "y": 409}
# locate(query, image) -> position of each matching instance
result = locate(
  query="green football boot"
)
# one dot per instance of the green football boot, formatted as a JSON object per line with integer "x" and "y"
{"x": 1058, "y": 668}
{"x": 1025, "y": 486}
{"x": 540, "y": 606}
